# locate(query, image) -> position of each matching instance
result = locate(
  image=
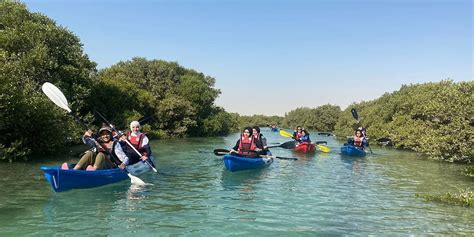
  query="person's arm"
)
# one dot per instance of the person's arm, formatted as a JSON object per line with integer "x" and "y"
{"x": 236, "y": 147}
{"x": 146, "y": 146}
{"x": 89, "y": 140}
{"x": 120, "y": 154}
{"x": 264, "y": 142}
{"x": 365, "y": 143}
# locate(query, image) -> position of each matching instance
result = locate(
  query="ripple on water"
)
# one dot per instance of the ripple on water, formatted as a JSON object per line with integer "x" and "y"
{"x": 319, "y": 194}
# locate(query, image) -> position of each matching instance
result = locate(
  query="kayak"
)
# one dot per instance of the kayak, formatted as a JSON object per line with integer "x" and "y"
{"x": 140, "y": 167}
{"x": 237, "y": 163}
{"x": 63, "y": 180}
{"x": 305, "y": 147}
{"x": 350, "y": 150}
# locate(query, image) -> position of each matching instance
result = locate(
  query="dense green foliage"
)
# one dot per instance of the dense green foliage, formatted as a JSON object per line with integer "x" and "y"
{"x": 322, "y": 118}
{"x": 469, "y": 171}
{"x": 465, "y": 197}
{"x": 180, "y": 100}
{"x": 33, "y": 50}
{"x": 432, "y": 118}
{"x": 259, "y": 120}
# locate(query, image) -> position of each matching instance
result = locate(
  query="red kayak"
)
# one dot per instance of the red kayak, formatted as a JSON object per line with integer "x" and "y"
{"x": 305, "y": 147}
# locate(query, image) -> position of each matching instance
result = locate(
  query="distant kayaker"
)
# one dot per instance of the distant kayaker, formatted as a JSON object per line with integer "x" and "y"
{"x": 297, "y": 133}
{"x": 304, "y": 137}
{"x": 359, "y": 139}
{"x": 245, "y": 146}
{"x": 108, "y": 153}
{"x": 139, "y": 140}
{"x": 260, "y": 141}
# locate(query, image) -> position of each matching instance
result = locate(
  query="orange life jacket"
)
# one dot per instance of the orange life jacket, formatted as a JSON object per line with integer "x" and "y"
{"x": 247, "y": 146}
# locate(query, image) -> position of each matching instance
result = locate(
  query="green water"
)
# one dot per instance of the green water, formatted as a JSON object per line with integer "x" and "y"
{"x": 194, "y": 195}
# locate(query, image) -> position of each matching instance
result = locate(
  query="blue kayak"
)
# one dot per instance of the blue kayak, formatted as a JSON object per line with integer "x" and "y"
{"x": 237, "y": 163}
{"x": 63, "y": 180}
{"x": 350, "y": 150}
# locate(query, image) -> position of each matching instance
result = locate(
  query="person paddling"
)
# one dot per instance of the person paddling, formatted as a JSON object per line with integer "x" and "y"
{"x": 108, "y": 155}
{"x": 359, "y": 139}
{"x": 139, "y": 140}
{"x": 246, "y": 145}
{"x": 297, "y": 132}
{"x": 260, "y": 141}
{"x": 304, "y": 137}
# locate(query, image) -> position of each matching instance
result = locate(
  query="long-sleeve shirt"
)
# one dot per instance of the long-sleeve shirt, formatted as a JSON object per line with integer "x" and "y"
{"x": 118, "y": 151}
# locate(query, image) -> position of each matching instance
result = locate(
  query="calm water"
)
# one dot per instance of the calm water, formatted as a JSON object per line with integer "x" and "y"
{"x": 195, "y": 196}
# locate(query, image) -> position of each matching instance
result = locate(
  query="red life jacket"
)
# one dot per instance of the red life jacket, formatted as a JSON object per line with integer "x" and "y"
{"x": 137, "y": 142}
{"x": 247, "y": 146}
{"x": 358, "y": 141}
{"x": 298, "y": 135}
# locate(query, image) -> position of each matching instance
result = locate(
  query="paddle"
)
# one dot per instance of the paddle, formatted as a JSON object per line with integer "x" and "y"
{"x": 147, "y": 161}
{"x": 57, "y": 97}
{"x": 221, "y": 152}
{"x": 321, "y": 147}
{"x": 356, "y": 117}
{"x": 286, "y": 145}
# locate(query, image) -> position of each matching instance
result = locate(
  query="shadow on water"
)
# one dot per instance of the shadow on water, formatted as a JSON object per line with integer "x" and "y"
{"x": 244, "y": 181}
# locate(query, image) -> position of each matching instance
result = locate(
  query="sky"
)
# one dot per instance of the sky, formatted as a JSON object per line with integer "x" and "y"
{"x": 271, "y": 57}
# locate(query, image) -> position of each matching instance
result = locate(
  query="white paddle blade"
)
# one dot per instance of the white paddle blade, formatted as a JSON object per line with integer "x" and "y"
{"x": 135, "y": 180}
{"x": 55, "y": 95}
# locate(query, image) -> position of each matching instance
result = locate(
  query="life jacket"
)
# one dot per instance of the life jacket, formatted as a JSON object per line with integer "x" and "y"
{"x": 110, "y": 153}
{"x": 358, "y": 141}
{"x": 247, "y": 146}
{"x": 297, "y": 135}
{"x": 136, "y": 141}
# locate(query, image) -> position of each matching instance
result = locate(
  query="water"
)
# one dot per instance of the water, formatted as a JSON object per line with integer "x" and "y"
{"x": 195, "y": 196}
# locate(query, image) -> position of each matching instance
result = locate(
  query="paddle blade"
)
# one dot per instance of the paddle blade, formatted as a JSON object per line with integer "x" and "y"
{"x": 354, "y": 114}
{"x": 135, "y": 179}
{"x": 288, "y": 145}
{"x": 323, "y": 148}
{"x": 55, "y": 95}
{"x": 221, "y": 152}
{"x": 284, "y": 133}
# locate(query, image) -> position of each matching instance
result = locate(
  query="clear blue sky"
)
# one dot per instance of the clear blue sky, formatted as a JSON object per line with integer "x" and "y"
{"x": 282, "y": 54}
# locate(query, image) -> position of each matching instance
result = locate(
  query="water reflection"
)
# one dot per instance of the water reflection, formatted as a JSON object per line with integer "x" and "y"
{"x": 243, "y": 181}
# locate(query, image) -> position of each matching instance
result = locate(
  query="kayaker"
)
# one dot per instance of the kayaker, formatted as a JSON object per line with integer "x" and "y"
{"x": 304, "y": 138}
{"x": 139, "y": 140}
{"x": 245, "y": 146}
{"x": 260, "y": 141}
{"x": 359, "y": 139}
{"x": 297, "y": 133}
{"x": 109, "y": 152}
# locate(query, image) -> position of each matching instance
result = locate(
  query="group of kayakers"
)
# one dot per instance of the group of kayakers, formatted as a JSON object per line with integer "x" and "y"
{"x": 110, "y": 149}
{"x": 251, "y": 143}
{"x": 301, "y": 135}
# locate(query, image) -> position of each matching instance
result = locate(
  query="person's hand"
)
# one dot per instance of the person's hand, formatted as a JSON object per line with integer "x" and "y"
{"x": 144, "y": 158}
{"x": 122, "y": 166}
{"x": 257, "y": 149}
{"x": 123, "y": 138}
{"x": 88, "y": 133}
